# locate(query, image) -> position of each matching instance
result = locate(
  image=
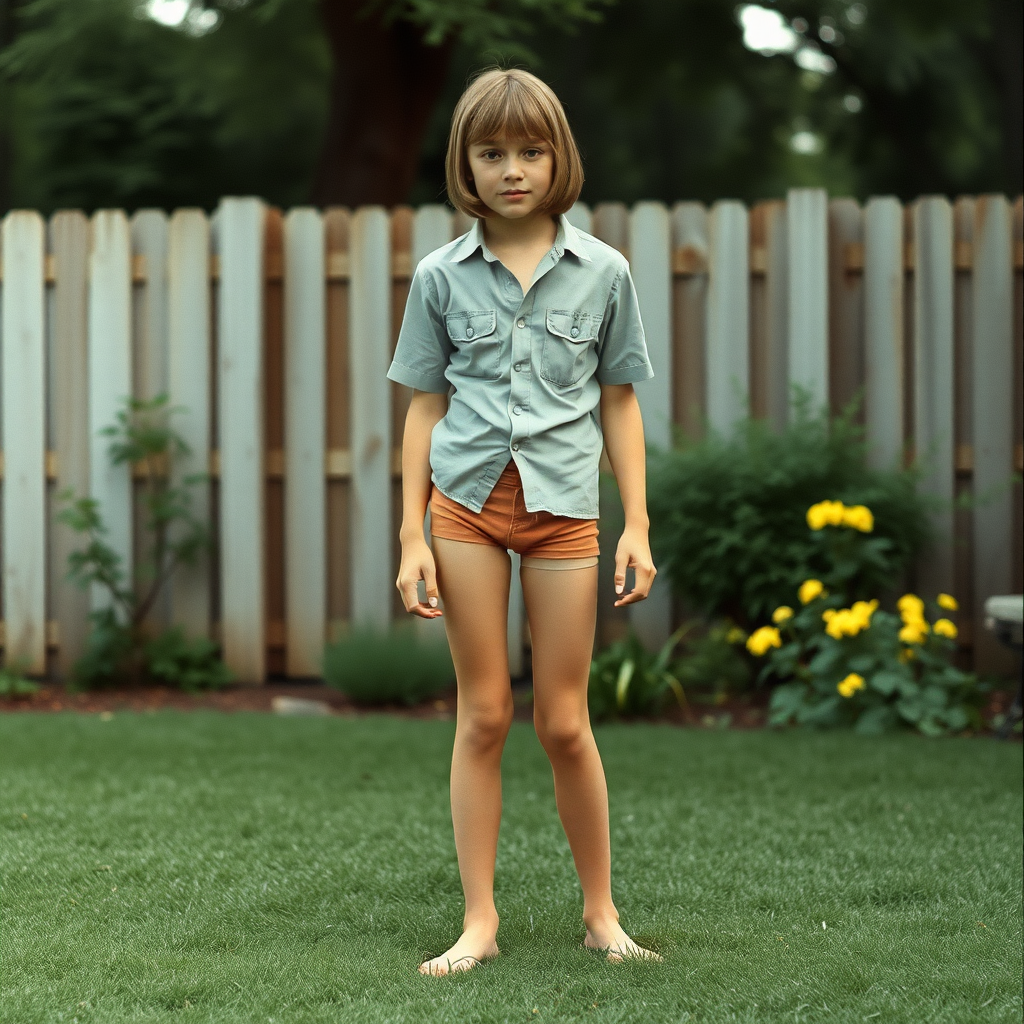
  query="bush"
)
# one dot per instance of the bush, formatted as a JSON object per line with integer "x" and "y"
{"x": 845, "y": 662}
{"x": 712, "y": 661}
{"x": 383, "y": 666}
{"x": 13, "y": 682}
{"x": 721, "y": 510}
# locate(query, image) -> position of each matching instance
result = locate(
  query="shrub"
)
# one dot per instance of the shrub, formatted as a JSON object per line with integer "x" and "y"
{"x": 382, "y": 666}
{"x": 722, "y": 525}
{"x": 117, "y": 647}
{"x": 626, "y": 679}
{"x": 13, "y": 682}
{"x": 711, "y": 660}
{"x": 845, "y": 662}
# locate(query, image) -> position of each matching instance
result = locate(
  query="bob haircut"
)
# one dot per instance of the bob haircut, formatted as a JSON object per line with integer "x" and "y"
{"x": 518, "y": 105}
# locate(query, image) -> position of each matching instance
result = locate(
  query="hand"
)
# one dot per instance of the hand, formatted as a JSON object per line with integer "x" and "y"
{"x": 634, "y": 550}
{"x": 418, "y": 564}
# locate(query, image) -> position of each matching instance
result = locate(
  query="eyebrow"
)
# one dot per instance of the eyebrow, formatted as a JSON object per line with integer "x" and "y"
{"x": 494, "y": 142}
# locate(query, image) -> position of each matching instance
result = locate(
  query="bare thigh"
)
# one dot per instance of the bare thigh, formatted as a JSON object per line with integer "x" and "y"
{"x": 473, "y": 581}
{"x": 561, "y": 606}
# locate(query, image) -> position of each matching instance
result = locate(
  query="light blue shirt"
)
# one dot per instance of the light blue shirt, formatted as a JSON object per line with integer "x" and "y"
{"x": 526, "y": 369}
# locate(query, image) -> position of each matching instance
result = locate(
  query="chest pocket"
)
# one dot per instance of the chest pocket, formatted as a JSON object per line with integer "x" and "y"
{"x": 477, "y": 344}
{"x": 570, "y": 337}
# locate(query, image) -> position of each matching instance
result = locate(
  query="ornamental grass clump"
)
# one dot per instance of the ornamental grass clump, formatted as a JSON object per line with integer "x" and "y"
{"x": 845, "y": 662}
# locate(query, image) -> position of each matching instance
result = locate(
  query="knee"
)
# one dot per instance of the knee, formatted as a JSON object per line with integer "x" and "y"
{"x": 562, "y": 736}
{"x": 485, "y": 727}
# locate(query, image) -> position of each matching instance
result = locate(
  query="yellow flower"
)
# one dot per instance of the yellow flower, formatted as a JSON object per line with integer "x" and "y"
{"x": 762, "y": 639}
{"x": 911, "y": 607}
{"x": 850, "y": 685}
{"x": 816, "y": 516}
{"x": 948, "y": 602}
{"x": 907, "y": 654}
{"x": 735, "y": 635}
{"x": 859, "y": 517}
{"x": 810, "y": 589}
{"x": 945, "y": 628}
{"x": 782, "y": 614}
{"x": 914, "y": 632}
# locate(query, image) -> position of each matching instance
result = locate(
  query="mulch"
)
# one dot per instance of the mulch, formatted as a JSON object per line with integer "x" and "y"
{"x": 704, "y": 711}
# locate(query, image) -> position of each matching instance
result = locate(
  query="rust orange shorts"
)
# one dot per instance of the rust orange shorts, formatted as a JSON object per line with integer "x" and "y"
{"x": 542, "y": 539}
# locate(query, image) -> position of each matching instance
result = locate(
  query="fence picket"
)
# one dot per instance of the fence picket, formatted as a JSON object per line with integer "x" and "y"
{"x": 769, "y": 320}
{"x": 993, "y": 417}
{"x": 727, "y": 355}
{"x": 305, "y": 446}
{"x": 370, "y": 336}
{"x": 807, "y": 237}
{"x": 240, "y": 227}
{"x": 188, "y": 382}
{"x": 933, "y": 378}
{"x": 883, "y": 331}
{"x": 110, "y": 381}
{"x": 651, "y": 269}
{"x": 845, "y": 306}
{"x": 69, "y": 418}
{"x": 23, "y": 400}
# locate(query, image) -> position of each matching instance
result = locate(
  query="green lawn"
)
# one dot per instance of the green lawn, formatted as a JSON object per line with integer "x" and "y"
{"x": 206, "y": 867}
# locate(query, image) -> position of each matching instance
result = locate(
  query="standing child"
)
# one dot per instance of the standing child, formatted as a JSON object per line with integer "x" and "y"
{"x": 533, "y": 323}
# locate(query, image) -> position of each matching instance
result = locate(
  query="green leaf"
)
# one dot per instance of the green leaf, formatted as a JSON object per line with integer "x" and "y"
{"x": 886, "y": 682}
{"x": 622, "y": 683}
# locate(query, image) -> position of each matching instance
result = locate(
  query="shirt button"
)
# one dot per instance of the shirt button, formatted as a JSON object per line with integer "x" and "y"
{"x": 573, "y": 332}
{"x": 517, "y": 409}
{"x": 469, "y": 332}
{"x": 515, "y": 447}
{"x": 517, "y": 366}
{"x": 520, "y": 323}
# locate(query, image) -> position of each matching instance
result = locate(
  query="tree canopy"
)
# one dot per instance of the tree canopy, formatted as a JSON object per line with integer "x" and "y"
{"x": 104, "y": 104}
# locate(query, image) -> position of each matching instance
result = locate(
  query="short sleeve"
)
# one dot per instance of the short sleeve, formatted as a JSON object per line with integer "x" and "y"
{"x": 423, "y": 348}
{"x": 622, "y": 357}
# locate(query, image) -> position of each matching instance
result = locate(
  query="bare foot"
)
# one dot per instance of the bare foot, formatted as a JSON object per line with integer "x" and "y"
{"x": 609, "y": 935}
{"x": 474, "y": 946}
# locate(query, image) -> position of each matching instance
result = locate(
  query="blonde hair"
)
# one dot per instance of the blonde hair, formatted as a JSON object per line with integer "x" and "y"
{"x": 519, "y": 105}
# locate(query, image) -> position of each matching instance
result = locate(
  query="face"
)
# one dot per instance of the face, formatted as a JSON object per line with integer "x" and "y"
{"x": 512, "y": 176}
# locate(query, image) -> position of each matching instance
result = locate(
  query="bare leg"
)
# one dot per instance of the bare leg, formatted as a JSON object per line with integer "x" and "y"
{"x": 473, "y": 581}
{"x": 562, "y": 608}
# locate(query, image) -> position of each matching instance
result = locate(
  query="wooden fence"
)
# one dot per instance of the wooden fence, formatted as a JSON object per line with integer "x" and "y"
{"x": 275, "y": 331}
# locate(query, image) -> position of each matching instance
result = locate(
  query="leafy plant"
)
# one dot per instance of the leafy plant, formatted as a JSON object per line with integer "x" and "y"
{"x": 382, "y": 666}
{"x": 722, "y": 526}
{"x": 13, "y": 682}
{"x": 845, "y": 662}
{"x": 626, "y": 679}
{"x": 117, "y": 647}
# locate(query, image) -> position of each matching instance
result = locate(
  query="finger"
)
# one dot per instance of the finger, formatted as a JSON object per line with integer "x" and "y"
{"x": 620, "y": 575}
{"x": 430, "y": 583}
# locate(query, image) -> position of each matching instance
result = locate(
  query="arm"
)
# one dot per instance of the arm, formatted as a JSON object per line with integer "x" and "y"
{"x": 623, "y": 430}
{"x": 425, "y": 410}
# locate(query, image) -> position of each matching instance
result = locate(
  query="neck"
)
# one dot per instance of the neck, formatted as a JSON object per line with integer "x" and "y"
{"x": 539, "y": 229}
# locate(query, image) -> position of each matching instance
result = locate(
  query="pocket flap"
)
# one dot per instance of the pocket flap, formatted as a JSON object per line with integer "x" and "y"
{"x": 574, "y": 325}
{"x": 470, "y": 323}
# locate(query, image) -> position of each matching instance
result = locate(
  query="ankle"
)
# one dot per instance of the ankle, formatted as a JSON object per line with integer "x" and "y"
{"x": 484, "y": 921}
{"x": 601, "y": 918}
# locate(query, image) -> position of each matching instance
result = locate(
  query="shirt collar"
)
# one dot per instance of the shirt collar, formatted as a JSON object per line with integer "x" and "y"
{"x": 566, "y": 237}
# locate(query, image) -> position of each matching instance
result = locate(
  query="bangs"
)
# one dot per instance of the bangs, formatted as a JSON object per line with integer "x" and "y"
{"x": 506, "y": 110}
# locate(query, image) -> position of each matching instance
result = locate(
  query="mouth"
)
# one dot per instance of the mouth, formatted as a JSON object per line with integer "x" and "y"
{"x": 514, "y": 192}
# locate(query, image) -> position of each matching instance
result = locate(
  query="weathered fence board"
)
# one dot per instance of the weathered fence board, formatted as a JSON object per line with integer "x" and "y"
{"x": 240, "y": 429}
{"x": 22, "y": 368}
{"x": 110, "y": 382}
{"x": 305, "y": 448}
{"x": 289, "y": 408}
{"x": 883, "y": 331}
{"x": 189, "y": 387}
{"x": 933, "y": 380}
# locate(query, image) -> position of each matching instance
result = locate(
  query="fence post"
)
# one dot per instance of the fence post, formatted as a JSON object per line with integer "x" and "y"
{"x": 807, "y": 235}
{"x": 240, "y": 223}
{"x": 22, "y": 244}
{"x": 370, "y": 344}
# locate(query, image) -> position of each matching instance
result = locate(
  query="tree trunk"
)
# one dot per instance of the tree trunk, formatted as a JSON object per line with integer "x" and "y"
{"x": 384, "y": 87}
{"x": 8, "y": 30}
